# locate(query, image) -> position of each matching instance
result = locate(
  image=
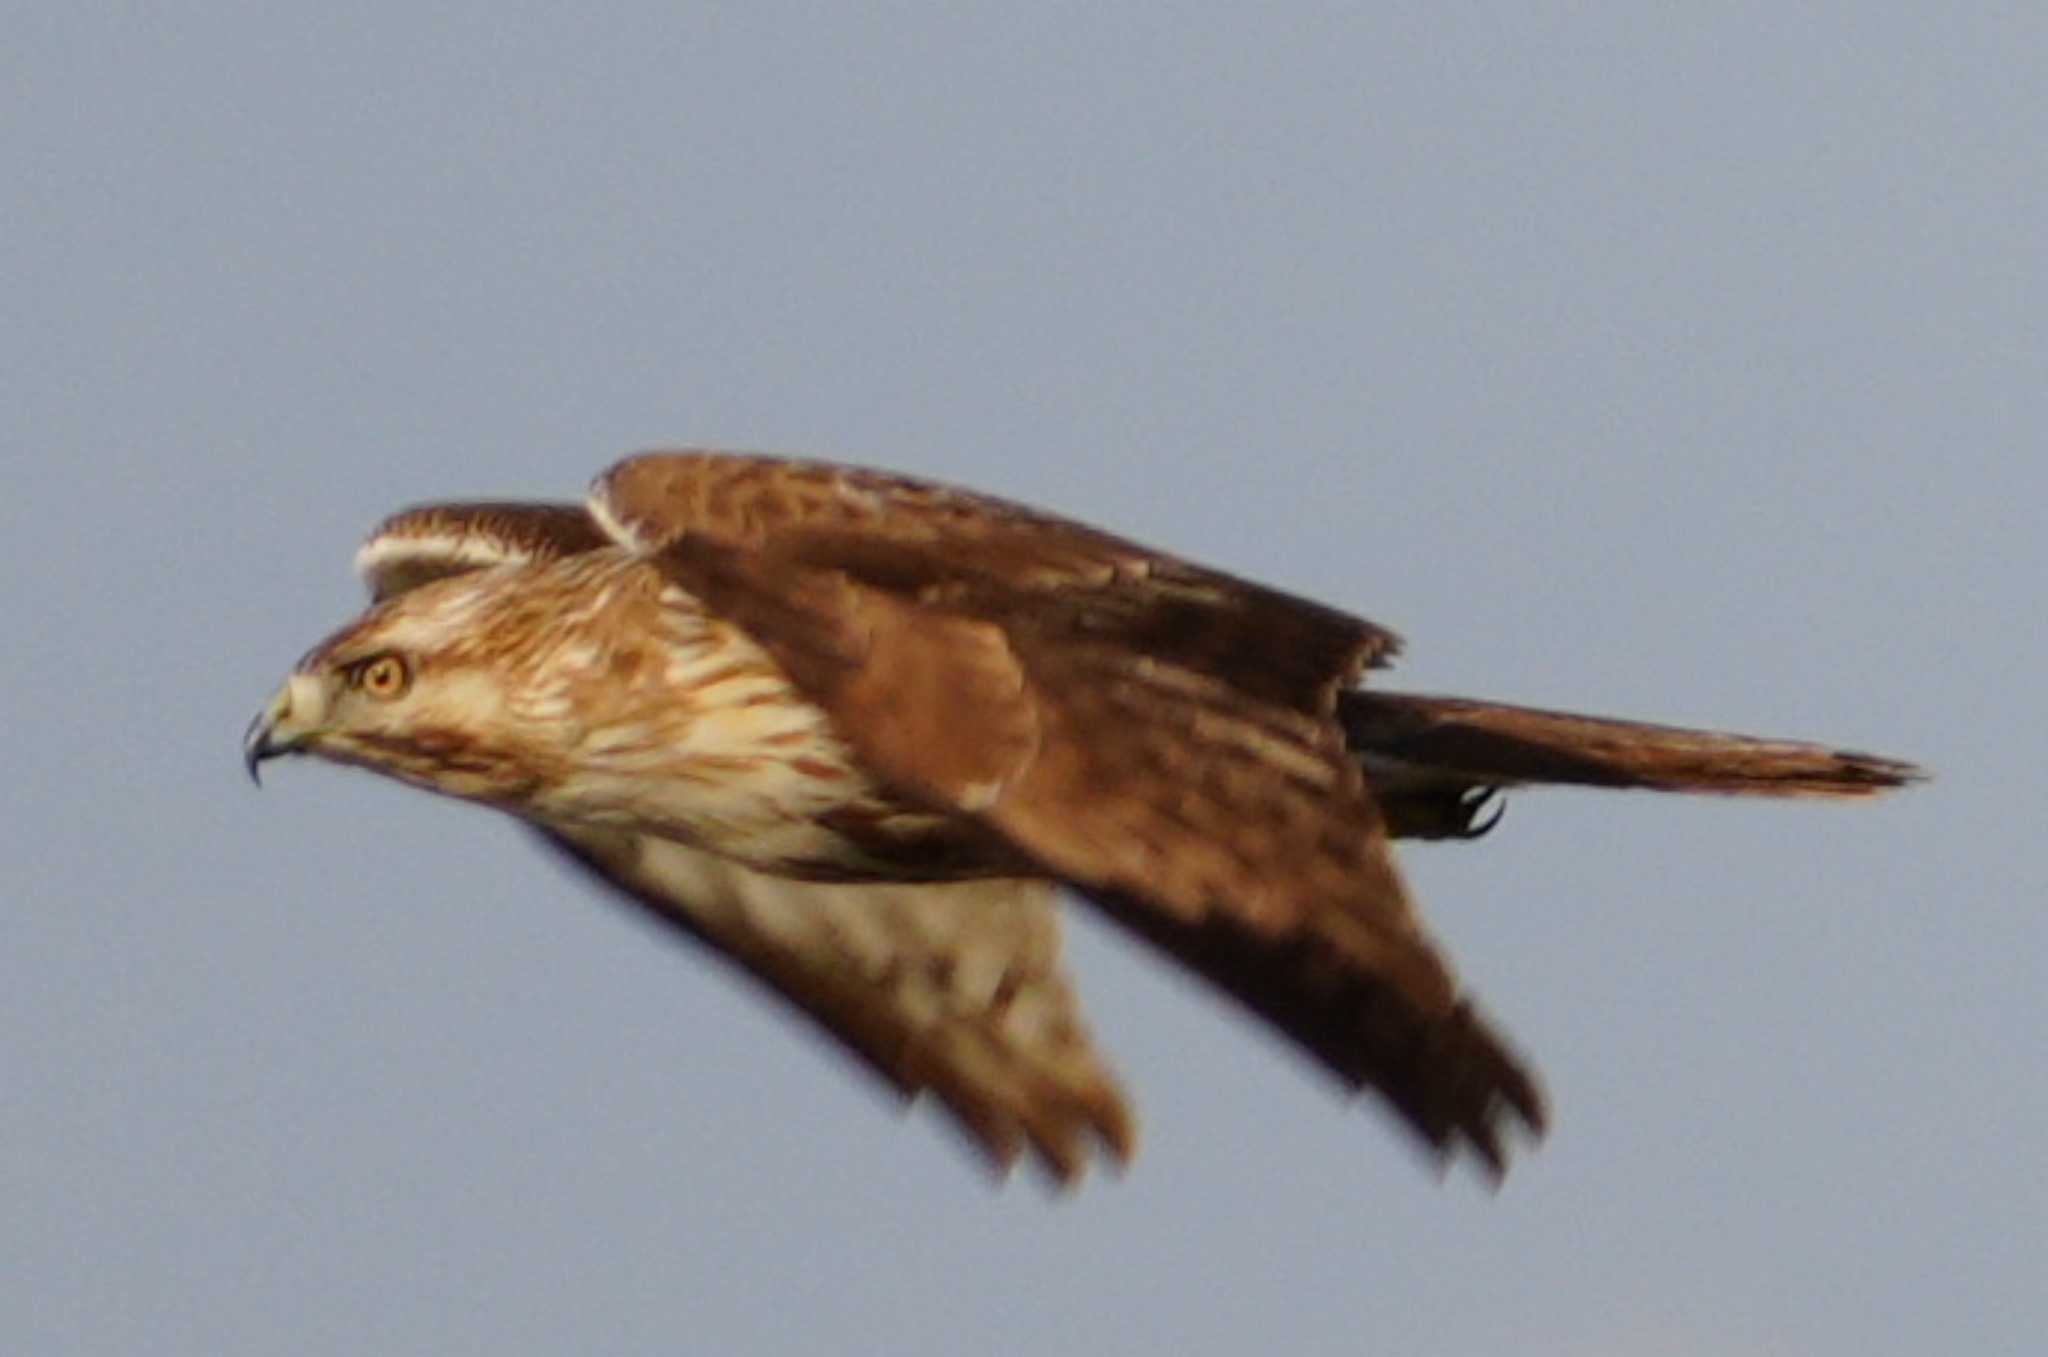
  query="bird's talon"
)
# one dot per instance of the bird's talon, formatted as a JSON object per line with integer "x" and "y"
{"x": 1475, "y": 800}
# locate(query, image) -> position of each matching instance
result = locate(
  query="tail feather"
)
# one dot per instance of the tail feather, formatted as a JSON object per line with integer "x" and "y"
{"x": 1437, "y": 748}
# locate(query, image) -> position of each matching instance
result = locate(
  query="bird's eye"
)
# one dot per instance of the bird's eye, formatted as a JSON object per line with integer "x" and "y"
{"x": 381, "y": 676}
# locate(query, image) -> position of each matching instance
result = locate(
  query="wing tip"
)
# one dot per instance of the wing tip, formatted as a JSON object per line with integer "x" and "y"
{"x": 1065, "y": 1133}
{"x": 1463, "y": 1094}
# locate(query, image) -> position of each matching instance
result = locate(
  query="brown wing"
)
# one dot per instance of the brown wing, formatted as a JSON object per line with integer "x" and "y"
{"x": 429, "y": 541}
{"x": 945, "y": 546}
{"x": 1173, "y": 753}
{"x": 956, "y": 989}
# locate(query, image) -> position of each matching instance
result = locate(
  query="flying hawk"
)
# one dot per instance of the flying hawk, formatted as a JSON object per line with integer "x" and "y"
{"x": 851, "y": 730}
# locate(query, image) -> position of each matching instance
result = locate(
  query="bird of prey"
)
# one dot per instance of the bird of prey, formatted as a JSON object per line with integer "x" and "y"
{"x": 852, "y": 730}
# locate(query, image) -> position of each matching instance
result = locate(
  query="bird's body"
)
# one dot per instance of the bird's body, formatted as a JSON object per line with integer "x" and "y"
{"x": 848, "y": 729}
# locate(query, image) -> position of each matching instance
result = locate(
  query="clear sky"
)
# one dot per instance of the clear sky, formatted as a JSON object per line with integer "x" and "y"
{"x": 1687, "y": 367}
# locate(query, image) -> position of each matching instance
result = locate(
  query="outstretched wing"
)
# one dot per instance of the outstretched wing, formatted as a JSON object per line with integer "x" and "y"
{"x": 955, "y": 988}
{"x": 1160, "y": 735}
{"x": 952, "y": 988}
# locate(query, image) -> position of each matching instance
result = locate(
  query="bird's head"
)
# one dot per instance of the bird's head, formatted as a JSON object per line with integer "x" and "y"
{"x": 421, "y": 687}
{"x": 585, "y": 688}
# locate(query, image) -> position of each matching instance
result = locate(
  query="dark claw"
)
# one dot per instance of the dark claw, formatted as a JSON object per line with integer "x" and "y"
{"x": 1471, "y": 802}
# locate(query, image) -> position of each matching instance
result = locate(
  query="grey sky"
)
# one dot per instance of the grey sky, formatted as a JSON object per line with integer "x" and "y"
{"x": 1685, "y": 367}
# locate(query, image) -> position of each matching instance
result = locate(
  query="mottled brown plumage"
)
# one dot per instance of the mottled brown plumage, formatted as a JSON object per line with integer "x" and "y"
{"x": 844, "y": 727}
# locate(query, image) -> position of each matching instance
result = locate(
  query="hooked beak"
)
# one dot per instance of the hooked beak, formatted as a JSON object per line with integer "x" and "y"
{"x": 290, "y": 719}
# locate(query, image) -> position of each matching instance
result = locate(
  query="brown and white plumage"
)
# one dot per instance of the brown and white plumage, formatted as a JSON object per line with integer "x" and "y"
{"x": 845, "y": 728}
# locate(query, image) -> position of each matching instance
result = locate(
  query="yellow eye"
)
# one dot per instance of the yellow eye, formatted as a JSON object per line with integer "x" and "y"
{"x": 382, "y": 676}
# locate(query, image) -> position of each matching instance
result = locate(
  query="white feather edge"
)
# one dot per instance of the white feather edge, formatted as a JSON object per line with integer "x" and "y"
{"x": 599, "y": 505}
{"x": 388, "y": 555}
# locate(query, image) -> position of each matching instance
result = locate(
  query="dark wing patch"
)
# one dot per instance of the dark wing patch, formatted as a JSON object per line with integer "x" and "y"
{"x": 954, "y": 989}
